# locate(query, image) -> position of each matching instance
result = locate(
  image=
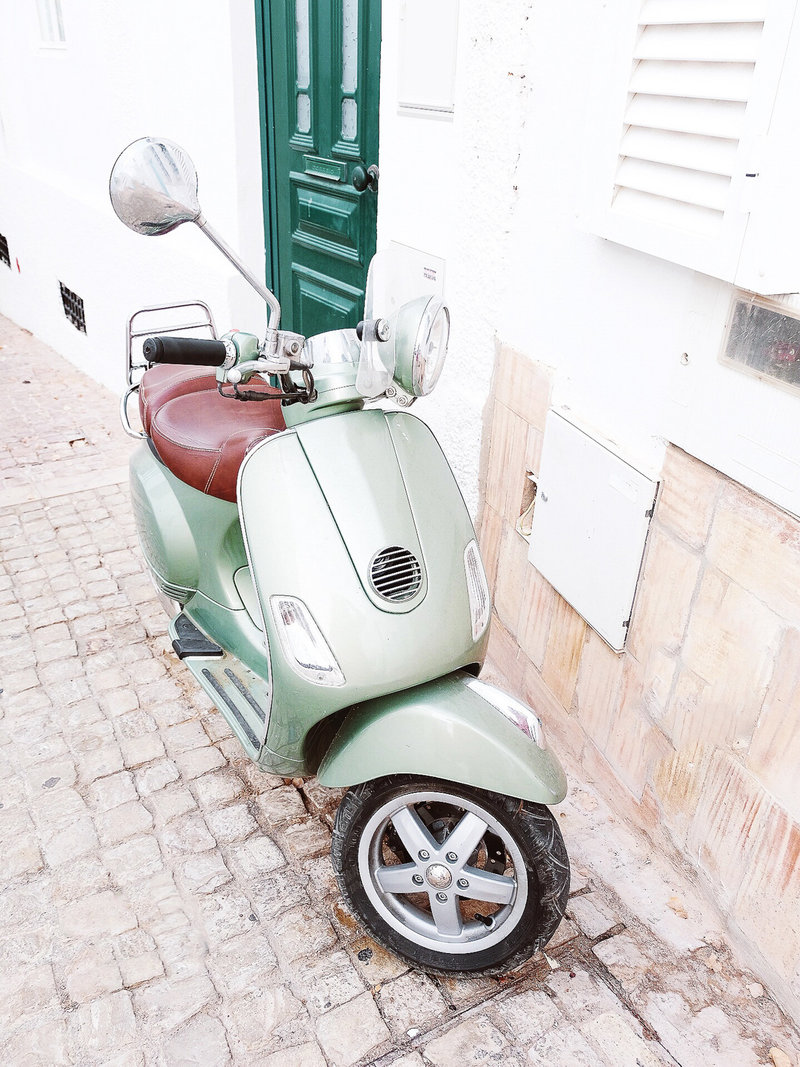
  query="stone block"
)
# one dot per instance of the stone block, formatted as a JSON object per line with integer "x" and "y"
{"x": 104, "y": 1026}
{"x": 731, "y": 643}
{"x": 267, "y": 1019}
{"x": 624, "y": 958}
{"x": 564, "y": 1046}
{"x": 110, "y": 792}
{"x": 536, "y": 613}
{"x": 352, "y": 1032}
{"x": 307, "y": 1055}
{"x": 91, "y": 974}
{"x": 593, "y": 914}
{"x": 563, "y": 655}
{"x": 167, "y": 1003}
{"x": 204, "y": 873}
{"x": 200, "y": 1042}
{"x": 327, "y": 982}
{"x": 280, "y": 806}
{"x": 218, "y": 788}
{"x": 523, "y": 385}
{"x": 475, "y": 1041}
{"x": 65, "y": 843}
{"x": 727, "y": 823}
{"x": 511, "y": 574}
{"x": 136, "y": 970}
{"x": 375, "y": 963}
{"x": 102, "y": 914}
{"x": 505, "y": 657}
{"x": 664, "y": 597}
{"x": 123, "y": 822}
{"x": 184, "y": 737}
{"x": 142, "y": 749}
{"x": 774, "y": 754}
{"x": 505, "y": 480}
{"x": 526, "y": 1016}
{"x": 758, "y": 546}
{"x": 242, "y": 964}
{"x": 199, "y": 761}
{"x": 766, "y": 905}
{"x": 233, "y": 823}
{"x": 620, "y": 1043}
{"x": 310, "y": 837}
{"x": 489, "y": 538}
{"x": 300, "y": 932}
{"x": 254, "y": 858}
{"x": 225, "y": 913}
{"x": 188, "y": 834}
{"x": 597, "y": 689}
{"x": 170, "y": 803}
{"x": 411, "y": 1003}
{"x": 156, "y": 776}
{"x": 133, "y": 860}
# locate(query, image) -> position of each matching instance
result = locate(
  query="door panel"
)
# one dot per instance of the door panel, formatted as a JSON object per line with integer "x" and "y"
{"x": 321, "y": 76}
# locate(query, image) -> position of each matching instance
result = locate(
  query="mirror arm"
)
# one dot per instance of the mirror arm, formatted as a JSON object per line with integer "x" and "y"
{"x": 274, "y": 319}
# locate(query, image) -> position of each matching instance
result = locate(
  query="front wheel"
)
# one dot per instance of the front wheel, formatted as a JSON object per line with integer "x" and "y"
{"x": 453, "y": 878}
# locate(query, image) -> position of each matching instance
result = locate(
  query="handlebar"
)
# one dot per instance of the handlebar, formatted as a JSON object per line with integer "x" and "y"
{"x": 188, "y": 351}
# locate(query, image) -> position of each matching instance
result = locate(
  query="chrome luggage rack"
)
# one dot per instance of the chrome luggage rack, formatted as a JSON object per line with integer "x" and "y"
{"x": 135, "y": 370}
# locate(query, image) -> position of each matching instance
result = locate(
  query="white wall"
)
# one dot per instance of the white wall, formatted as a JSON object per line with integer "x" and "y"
{"x": 518, "y": 161}
{"x": 126, "y": 71}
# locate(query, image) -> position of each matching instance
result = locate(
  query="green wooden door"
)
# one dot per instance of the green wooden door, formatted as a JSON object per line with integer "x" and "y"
{"x": 319, "y": 66}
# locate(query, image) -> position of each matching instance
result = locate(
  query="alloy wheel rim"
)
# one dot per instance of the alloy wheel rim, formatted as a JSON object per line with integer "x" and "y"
{"x": 442, "y": 871}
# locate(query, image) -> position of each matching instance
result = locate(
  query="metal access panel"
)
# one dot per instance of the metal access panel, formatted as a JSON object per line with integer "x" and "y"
{"x": 590, "y": 524}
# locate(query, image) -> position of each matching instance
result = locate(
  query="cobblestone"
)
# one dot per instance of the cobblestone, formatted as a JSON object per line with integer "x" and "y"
{"x": 166, "y": 903}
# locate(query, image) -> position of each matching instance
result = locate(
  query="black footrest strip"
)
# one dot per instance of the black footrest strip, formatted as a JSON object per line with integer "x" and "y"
{"x": 193, "y": 642}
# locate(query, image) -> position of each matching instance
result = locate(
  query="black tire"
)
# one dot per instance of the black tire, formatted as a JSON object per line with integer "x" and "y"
{"x": 373, "y": 863}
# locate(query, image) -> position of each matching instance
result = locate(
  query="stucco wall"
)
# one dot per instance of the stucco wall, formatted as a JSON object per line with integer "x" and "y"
{"x": 66, "y": 115}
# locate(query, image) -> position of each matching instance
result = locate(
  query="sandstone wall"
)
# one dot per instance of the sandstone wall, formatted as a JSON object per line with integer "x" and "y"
{"x": 694, "y": 731}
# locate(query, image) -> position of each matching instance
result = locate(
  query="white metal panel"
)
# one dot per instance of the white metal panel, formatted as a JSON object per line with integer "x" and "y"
{"x": 590, "y": 524}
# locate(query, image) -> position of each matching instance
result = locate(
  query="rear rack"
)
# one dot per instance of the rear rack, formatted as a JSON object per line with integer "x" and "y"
{"x": 136, "y": 369}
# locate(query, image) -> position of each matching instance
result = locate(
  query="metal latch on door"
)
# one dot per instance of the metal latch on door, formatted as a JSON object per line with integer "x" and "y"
{"x": 365, "y": 179}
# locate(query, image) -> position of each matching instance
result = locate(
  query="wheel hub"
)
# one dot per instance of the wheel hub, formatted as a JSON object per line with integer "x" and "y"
{"x": 438, "y": 876}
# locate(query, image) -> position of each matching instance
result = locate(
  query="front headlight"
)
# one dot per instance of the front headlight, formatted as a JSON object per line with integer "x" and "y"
{"x": 422, "y": 331}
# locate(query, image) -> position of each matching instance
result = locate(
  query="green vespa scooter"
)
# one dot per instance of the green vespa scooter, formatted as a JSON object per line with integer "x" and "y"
{"x": 327, "y": 592}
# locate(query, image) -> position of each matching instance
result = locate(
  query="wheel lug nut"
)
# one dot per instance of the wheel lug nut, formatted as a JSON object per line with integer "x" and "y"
{"x": 442, "y": 898}
{"x": 424, "y": 855}
{"x": 451, "y": 857}
{"x": 417, "y": 879}
{"x": 462, "y": 883}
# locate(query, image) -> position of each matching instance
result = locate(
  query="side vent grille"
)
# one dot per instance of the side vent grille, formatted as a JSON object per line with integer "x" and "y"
{"x": 73, "y": 308}
{"x": 687, "y": 98}
{"x": 395, "y": 574}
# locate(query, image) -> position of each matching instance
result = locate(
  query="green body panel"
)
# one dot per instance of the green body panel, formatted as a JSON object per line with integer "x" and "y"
{"x": 311, "y": 532}
{"x": 189, "y": 539}
{"x": 315, "y": 133}
{"x": 445, "y": 730}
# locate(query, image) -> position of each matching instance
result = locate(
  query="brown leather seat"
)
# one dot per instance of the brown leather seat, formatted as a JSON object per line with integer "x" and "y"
{"x": 203, "y": 437}
{"x": 165, "y": 381}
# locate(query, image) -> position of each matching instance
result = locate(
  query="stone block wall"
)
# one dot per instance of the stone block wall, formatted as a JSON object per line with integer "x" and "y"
{"x": 693, "y": 732}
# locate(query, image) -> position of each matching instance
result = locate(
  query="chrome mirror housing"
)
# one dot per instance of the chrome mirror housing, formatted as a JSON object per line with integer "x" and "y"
{"x": 153, "y": 187}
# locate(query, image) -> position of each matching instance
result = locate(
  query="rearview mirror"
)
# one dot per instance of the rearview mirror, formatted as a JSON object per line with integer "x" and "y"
{"x": 153, "y": 187}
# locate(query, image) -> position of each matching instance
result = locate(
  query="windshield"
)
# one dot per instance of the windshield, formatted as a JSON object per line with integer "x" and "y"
{"x": 398, "y": 275}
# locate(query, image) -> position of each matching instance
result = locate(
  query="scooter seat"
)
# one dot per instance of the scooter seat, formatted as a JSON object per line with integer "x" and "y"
{"x": 203, "y": 437}
{"x": 164, "y": 382}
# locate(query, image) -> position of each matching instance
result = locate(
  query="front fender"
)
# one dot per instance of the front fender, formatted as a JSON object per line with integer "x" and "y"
{"x": 442, "y": 729}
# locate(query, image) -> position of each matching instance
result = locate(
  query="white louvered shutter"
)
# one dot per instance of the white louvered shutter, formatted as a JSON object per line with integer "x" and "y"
{"x": 683, "y": 170}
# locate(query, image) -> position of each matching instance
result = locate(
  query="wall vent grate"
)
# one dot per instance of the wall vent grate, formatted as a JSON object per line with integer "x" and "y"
{"x": 73, "y": 308}
{"x": 5, "y": 256}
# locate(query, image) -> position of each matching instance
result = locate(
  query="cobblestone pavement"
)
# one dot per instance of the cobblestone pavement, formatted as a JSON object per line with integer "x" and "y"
{"x": 164, "y": 903}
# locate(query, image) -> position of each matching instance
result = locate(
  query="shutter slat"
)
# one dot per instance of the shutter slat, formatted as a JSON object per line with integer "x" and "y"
{"x": 722, "y": 43}
{"x": 705, "y": 81}
{"x": 677, "y": 183}
{"x": 673, "y": 12}
{"x": 711, "y": 154}
{"x": 666, "y": 212}
{"x": 717, "y": 118}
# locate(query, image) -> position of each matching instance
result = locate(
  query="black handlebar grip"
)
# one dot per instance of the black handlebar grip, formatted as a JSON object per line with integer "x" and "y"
{"x": 188, "y": 351}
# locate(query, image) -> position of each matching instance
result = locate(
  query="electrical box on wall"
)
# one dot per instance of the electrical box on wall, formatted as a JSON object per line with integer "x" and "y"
{"x": 590, "y": 523}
